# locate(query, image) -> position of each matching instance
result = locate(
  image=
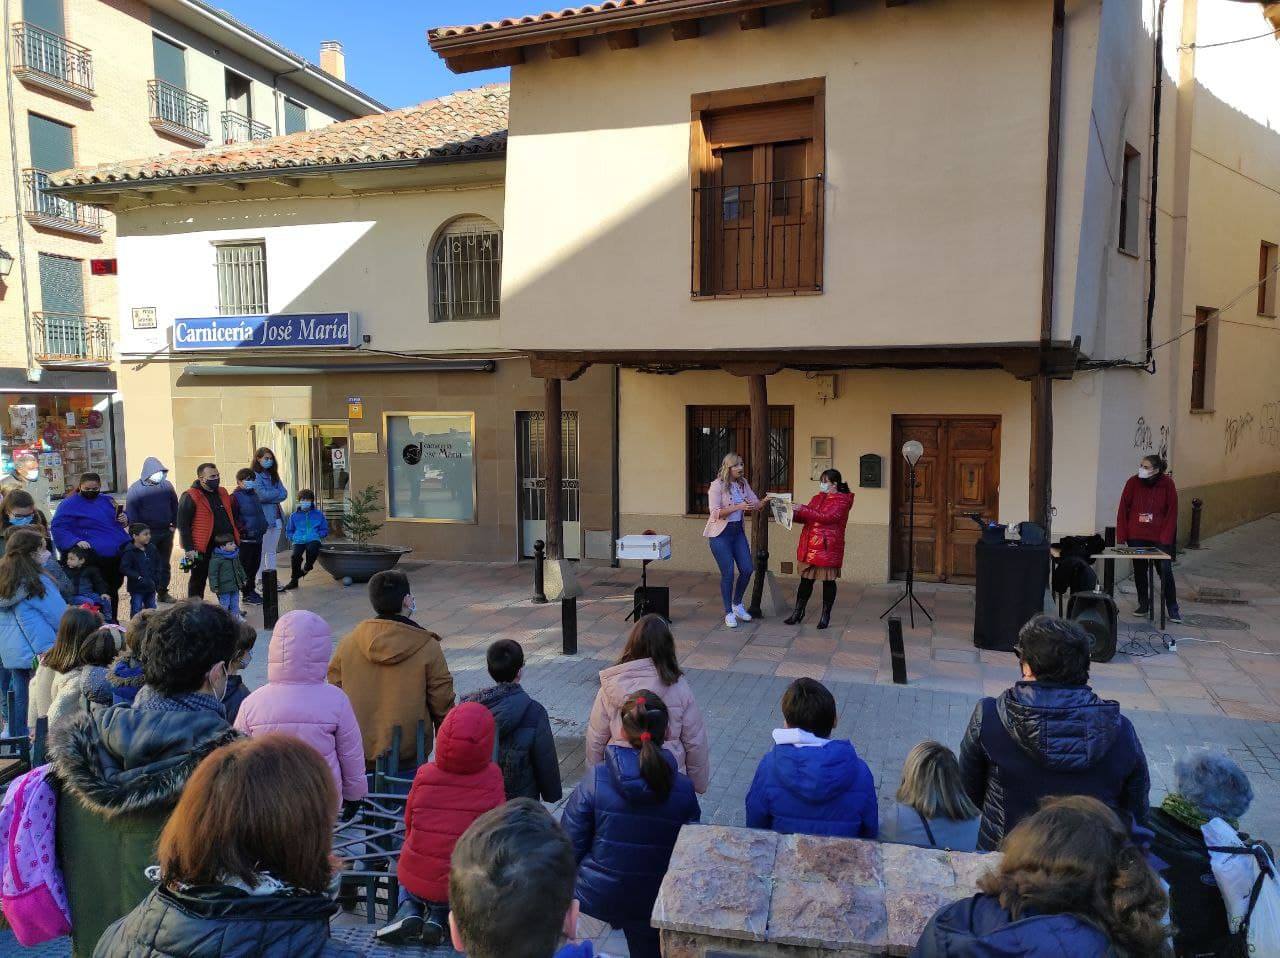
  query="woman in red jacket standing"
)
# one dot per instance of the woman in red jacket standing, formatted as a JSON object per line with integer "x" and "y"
{"x": 821, "y": 547}
{"x": 1148, "y": 516}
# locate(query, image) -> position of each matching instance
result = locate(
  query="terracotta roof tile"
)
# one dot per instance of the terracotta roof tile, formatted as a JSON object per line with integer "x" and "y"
{"x": 568, "y": 13}
{"x": 467, "y": 122}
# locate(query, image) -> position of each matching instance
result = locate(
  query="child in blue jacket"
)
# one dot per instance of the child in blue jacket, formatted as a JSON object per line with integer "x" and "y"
{"x": 810, "y": 783}
{"x": 306, "y": 529}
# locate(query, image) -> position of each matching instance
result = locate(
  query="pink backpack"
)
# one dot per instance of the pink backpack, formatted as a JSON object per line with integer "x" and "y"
{"x": 32, "y": 894}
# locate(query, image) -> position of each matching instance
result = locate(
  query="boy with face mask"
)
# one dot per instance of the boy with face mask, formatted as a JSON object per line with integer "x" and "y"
{"x": 306, "y": 529}
{"x": 153, "y": 500}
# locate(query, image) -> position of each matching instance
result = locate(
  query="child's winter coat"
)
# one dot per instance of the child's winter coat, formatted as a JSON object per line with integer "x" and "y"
{"x": 141, "y": 568}
{"x": 623, "y": 835}
{"x": 306, "y": 525}
{"x": 813, "y": 786}
{"x": 226, "y": 574}
{"x": 297, "y": 701}
{"x": 249, "y": 517}
{"x": 125, "y": 676}
{"x": 526, "y": 745}
{"x": 450, "y": 792}
{"x": 87, "y": 582}
{"x": 28, "y": 625}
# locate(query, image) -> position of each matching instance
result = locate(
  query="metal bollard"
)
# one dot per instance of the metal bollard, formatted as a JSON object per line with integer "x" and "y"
{"x": 539, "y": 572}
{"x": 757, "y": 588}
{"x": 569, "y": 626}
{"x": 897, "y": 651}
{"x": 1197, "y": 506}
{"x": 270, "y": 598}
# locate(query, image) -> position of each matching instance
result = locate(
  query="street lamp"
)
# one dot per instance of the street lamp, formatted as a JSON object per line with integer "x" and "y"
{"x": 912, "y": 450}
{"x": 6, "y": 263}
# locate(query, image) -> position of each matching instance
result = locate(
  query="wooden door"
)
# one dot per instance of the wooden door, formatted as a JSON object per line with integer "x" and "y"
{"x": 958, "y": 475}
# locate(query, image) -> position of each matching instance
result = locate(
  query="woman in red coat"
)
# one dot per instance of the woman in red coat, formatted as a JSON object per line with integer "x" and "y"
{"x": 1148, "y": 516}
{"x": 821, "y": 548}
{"x": 450, "y": 792}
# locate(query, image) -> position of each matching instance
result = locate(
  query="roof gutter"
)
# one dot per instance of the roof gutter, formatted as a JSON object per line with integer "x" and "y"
{"x": 439, "y": 366}
{"x": 270, "y": 173}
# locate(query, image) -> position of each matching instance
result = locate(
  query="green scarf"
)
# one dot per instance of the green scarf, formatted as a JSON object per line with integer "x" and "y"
{"x": 1182, "y": 810}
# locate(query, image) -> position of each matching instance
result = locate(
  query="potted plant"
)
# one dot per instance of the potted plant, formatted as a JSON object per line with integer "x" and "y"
{"x": 357, "y": 559}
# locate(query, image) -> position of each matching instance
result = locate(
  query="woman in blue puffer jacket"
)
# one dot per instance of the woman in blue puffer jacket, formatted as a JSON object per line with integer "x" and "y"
{"x": 1071, "y": 884}
{"x": 624, "y": 818}
{"x": 30, "y": 610}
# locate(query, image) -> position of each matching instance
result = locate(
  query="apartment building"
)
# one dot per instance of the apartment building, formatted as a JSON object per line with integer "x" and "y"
{"x": 89, "y": 82}
{"x": 1037, "y": 236}
{"x": 336, "y": 296}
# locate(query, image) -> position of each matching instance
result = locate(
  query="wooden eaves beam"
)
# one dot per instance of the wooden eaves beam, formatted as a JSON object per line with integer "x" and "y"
{"x": 560, "y": 49}
{"x": 623, "y": 39}
{"x": 686, "y": 29}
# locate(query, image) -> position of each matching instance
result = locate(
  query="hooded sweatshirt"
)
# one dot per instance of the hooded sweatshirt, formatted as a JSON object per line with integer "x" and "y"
{"x": 297, "y": 701}
{"x": 526, "y": 745}
{"x": 1148, "y": 510}
{"x": 156, "y": 505}
{"x": 813, "y": 786}
{"x": 1039, "y": 740}
{"x": 686, "y": 731}
{"x": 394, "y": 673}
{"x": 448, "y": 794}
{"x": 978, "y": 927}
{"x": 28, "y": 625}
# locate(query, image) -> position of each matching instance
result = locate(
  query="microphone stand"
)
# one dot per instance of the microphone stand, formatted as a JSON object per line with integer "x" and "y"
{"x": 909, "y": 594}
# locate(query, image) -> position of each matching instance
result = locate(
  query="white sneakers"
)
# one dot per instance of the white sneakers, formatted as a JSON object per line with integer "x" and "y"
{"x": 741, "y": 613}
{"x": 730, "y": 621}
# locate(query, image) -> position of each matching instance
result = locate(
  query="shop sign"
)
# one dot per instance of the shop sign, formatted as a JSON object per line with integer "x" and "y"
{"x": 144, "y": 317}
{"x": 355, "y": 407}
{"x": 269, "y": 331}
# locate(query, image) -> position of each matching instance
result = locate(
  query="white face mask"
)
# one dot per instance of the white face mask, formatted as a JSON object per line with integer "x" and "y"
{"x": 219, "y": 691}
{"x": 412, "y": 607}
{"x": 1145, "y": 473}
{"x": 824, "y": 487}
{"x": 156, "y": 478}
{"x": 32, "y": 475}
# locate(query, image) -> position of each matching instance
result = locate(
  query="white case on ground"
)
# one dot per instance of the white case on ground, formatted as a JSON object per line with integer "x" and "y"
{"x": 644, "y": 547}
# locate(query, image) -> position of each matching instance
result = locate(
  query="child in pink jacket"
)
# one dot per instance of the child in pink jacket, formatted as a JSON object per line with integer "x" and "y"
{"x": 298, "y": 701}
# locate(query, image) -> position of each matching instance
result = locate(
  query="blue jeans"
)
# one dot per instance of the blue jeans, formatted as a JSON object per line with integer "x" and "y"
{"x": 731, "y": 548}
{"x": 139, "y": 601}
{"x": 230, "y": 601}
{"x": 16, "y": 680}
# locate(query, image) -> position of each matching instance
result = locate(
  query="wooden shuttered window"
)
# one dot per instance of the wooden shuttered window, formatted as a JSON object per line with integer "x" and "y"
{"x": 1200, "y": 359}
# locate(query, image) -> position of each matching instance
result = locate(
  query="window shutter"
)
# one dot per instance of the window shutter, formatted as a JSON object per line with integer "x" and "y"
{"x": 61, "y": 284}
{"x": 45, "y": 14}
{"x": 768, "y": 123}
{"x": 170, "y": 60}
{"x": 295, "y": 117}
{"x": 51, "y": 148}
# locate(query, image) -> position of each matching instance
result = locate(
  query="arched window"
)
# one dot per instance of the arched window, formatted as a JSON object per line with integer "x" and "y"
{"x": 466, "y": 271}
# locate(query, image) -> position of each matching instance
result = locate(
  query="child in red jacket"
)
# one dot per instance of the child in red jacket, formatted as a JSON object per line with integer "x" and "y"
{"x": 459, "y": 785}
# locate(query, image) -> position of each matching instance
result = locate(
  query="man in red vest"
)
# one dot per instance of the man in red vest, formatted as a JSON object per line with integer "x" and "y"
{"x": 204, "y": 513}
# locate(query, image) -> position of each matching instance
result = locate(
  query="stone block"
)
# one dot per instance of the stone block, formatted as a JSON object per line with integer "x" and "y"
{"x": 909, "y": 912}
{"x": 719, "y": 883}
{"x": 908, "y": 867}
{"x": 824, "y": 912}
{"x": 969, "y": 867}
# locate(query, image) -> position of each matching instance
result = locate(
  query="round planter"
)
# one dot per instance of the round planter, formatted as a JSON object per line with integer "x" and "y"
{"x": 359, "y": 563}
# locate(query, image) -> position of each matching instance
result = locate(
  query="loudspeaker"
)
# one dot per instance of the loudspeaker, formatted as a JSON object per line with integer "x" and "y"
{"x": 657, "y": 598}
{"x": 1098, "y": 615}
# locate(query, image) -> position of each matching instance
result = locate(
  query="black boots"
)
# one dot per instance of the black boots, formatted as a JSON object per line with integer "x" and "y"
{"x": 828, "y": 600}
{"x": 803, "y": 592}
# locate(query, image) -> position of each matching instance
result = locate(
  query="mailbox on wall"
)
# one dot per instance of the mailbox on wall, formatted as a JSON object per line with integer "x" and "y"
{"x": 870, "y": 471}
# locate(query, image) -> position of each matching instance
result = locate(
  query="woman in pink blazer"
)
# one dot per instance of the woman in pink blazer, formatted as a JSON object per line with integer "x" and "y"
{"x": 298, "y": 701}
{"x": 729, "y": 499}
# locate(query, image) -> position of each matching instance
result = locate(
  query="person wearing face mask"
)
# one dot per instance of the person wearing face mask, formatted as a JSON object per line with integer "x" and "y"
{"x": 270, "y": 491}
{"x": 252, "y": 523}
{"x": 25, "y": 475}
{"x": 394, "y": 672}
{"x": 307, "y": 528}
{"x": 88, "y": 519}
{"x": 820, "y": 549}
{"x": 30, "y": 612}
{"x": 205, "y": 512}
{"x": 1148, "y": 516}
{"x": 120, "y": 771}
{"x": 153, "y": 500}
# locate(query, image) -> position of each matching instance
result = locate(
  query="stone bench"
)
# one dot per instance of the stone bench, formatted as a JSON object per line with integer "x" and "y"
{"x": 734, "y": 892}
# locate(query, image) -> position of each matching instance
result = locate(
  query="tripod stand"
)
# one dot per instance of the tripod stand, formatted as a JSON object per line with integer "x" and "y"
{"x": 909, "y": 594}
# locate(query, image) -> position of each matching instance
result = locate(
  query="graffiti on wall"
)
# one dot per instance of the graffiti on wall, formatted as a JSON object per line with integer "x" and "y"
{"x": 1235, "y": 429}
{"x": 1147, "y": 439}
{"x": 1269, "y": 425}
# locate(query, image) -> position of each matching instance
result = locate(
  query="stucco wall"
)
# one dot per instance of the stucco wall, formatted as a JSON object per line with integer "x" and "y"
{"x": 653, "y": 457}
{"x": 935, "y": 188}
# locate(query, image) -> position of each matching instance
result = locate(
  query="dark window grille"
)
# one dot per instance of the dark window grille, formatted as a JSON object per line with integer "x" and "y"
{"x": 715, "y": 431}
{"x": 46, "y": 54}
{"x": 177, "y": 108}
{"x": 466, "y": 272}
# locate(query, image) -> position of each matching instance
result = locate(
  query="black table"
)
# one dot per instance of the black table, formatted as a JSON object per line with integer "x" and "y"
{"x": 1010, "y": 591}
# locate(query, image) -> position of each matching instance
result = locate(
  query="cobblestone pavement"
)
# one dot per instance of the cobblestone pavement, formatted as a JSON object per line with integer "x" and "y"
{"x": 1204, "y": 694}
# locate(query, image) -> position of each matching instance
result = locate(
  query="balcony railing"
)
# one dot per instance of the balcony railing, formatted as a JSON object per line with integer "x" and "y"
{"x": 72, "y": 338}
{"x": 53, "y": 212}
{"x": 757, "y": 238}
{"x": 178, "y": 113}
{"x": 238, "y": 128}
{"x": 52, "y": 61}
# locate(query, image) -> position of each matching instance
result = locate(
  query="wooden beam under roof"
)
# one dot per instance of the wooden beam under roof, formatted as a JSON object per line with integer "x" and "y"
{"x": 818, "y": 9}
{"x": 623, "y": 39}
{"x": 752, "y": 19}
{"x": 486, "y": 60}
{"x": 288, "y": 182}
{"x": 561, "y": 49}
{"x": 686, "y": 29}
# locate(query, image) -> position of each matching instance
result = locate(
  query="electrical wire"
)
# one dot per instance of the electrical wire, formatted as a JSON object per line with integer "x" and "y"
{"x": 1226, "y": 43}
{"x": 1187, "y": 638}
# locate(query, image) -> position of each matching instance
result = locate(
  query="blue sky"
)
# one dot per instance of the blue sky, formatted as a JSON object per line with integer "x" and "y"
{"x": 385, "y": 40}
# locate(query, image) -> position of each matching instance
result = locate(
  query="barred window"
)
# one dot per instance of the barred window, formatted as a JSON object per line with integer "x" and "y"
{"x": 242, "y": 278}
{"x": 466, "y": 271}
{"x": 716, "y": 431}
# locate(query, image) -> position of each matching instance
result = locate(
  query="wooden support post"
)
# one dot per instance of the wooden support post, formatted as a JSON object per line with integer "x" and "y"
{"x": 551, "y": 442}
{"x": 759, "y": 478}
{"x": 1039, "y": 490}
